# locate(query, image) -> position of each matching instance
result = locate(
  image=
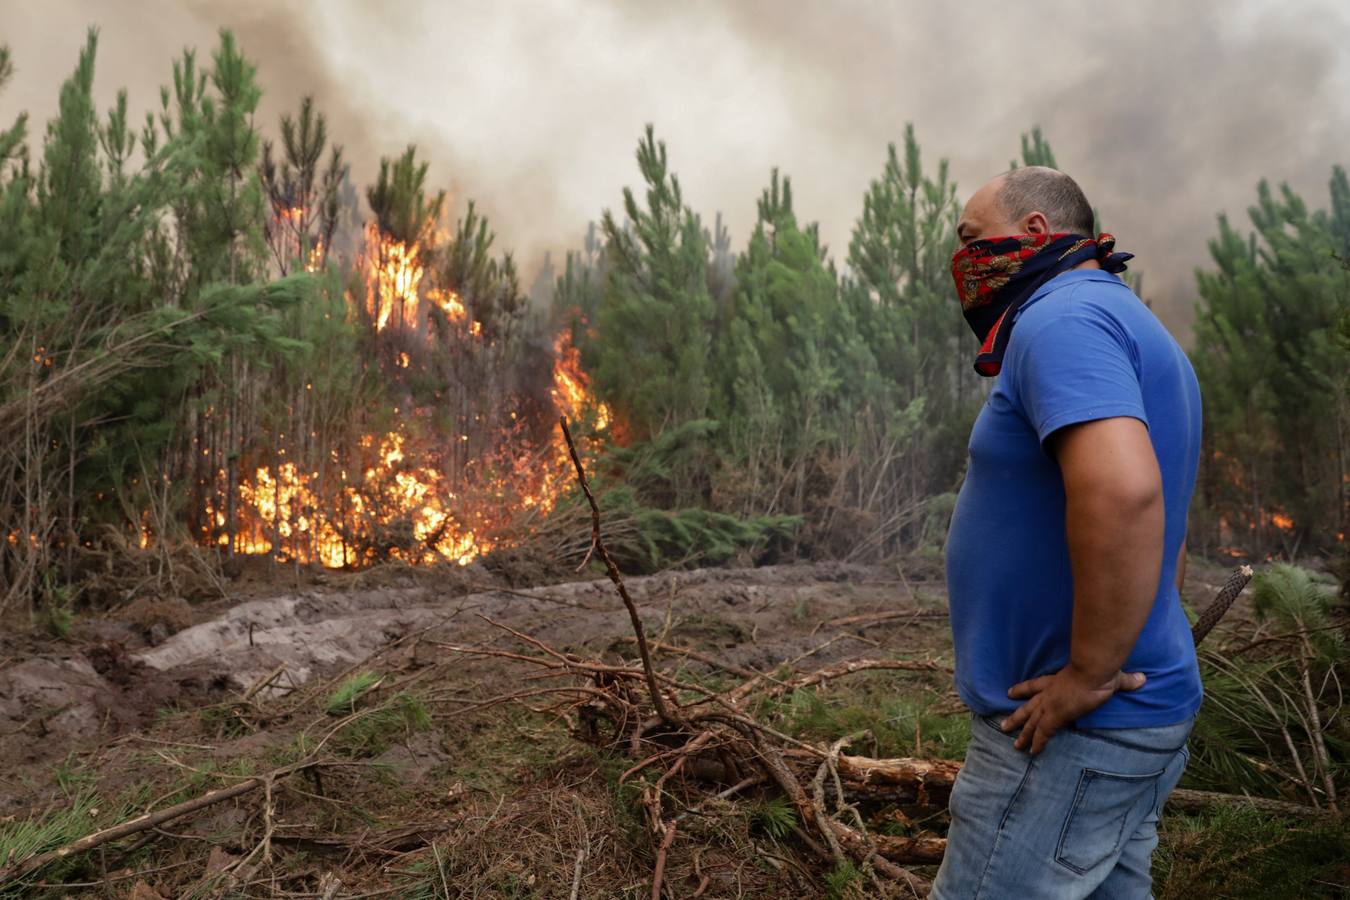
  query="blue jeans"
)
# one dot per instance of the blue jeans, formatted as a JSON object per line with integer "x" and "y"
{"x": 1079, "y": 820}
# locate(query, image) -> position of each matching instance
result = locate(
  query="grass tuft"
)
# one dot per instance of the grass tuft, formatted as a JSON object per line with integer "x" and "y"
{"x": 343, "y": 700}
{"x": 841, "y": 881}
{"x": 1239, "y": 853}
{"x": 900, "y": 716}
{"x": 48, "y": 831}
{"x": 776, "y": 816}
{"x": 371, "y": 734}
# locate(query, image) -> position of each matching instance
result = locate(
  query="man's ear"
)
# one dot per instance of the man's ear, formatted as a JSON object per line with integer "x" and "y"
{"x": 1036, "y": 223}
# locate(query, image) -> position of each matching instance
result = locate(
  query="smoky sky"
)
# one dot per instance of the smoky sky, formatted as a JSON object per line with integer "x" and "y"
{"x": 1167, "y": 112}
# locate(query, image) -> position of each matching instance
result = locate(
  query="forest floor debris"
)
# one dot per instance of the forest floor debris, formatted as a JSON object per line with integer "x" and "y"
{"x": 435, "y": 787}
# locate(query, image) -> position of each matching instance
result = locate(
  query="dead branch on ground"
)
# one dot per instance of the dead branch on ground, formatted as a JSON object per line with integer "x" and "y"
{"x": 681, "y": 735}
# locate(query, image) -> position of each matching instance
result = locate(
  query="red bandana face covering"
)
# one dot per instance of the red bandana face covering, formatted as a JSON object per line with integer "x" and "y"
{"x": 994, "y": 276}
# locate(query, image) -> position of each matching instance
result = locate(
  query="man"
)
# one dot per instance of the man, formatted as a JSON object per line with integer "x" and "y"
{"x": 1064, "y": 556}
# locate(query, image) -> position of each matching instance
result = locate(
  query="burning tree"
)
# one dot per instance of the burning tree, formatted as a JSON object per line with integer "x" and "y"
{"x": 1272, "y": 366}
{"x": 305, "y": 200}
{"x": 187, "y": 362}
{"x": 443, "y": 456}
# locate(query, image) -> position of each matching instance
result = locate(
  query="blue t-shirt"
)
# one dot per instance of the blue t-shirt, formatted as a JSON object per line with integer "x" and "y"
{"x": 1084, "y": 348}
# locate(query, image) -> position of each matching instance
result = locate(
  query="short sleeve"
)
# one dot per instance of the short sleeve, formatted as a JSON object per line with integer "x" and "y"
{"x": 1072, "y": 363}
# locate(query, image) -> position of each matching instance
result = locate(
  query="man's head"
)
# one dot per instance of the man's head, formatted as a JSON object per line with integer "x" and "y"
{"x": 1030, "y": 200}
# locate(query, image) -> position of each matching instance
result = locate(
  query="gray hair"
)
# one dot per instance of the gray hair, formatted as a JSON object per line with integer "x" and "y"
{"x": 1048, "y": 191}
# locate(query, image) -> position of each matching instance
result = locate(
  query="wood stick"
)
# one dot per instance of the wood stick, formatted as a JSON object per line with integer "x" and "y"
{"x": 264, "y": 681}
{"x": 852, "y": 666}
{"x": 705, "y": 658}
{"x": 147, "y": 821}
{"x": 874, "y": 618}
{"x": 598, "y": 545}
{"x": 931, "y": 779}
{"x": 659, "y": 872}
{"x": 1214, "y": 612}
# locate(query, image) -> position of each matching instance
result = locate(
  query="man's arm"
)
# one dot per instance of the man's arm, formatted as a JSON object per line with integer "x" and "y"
{"x": 1114, "y": 519}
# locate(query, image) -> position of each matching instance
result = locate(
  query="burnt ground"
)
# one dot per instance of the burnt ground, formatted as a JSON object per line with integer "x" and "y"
{"x": 163, "y": 701}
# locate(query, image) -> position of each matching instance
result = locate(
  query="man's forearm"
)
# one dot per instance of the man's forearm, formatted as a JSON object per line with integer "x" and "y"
{"x": 1115, "y": 547}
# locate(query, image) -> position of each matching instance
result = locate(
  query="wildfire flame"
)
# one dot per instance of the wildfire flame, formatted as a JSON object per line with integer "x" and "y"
{"x": 571, "y": 387}
{"x": 401, "y": 504}
{"x": 393, "y": 276}
{"x": 450, "y": 304}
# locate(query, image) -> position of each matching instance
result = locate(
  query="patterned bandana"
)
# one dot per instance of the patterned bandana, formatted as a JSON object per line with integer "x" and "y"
{"x": 995, "y": 275}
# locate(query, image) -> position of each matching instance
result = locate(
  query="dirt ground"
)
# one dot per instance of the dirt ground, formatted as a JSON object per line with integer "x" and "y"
{"x": 116, "y": 674}
{"x": 137, "y": 701}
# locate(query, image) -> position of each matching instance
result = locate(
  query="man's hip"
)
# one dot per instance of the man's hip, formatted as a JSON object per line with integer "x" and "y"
{"x": 1077, "y": 820}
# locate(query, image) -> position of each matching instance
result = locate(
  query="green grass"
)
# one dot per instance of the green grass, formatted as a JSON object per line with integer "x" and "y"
{"x": 48, "y": 831}
{"x": 775, "y": 816}
{"x": 893, "y": 708}
{"x": 801, "y": 609}
{"x": 1236, "y": 853}
{"x": 840, "y": 880}
{"x": 72, "y": 777}
{"x": 343, "y": 699}
{"x": 58, "y": 620}
{"x": 82, "y": 814}
{"x": 57, "y": 614}
{"x": 372, "y": 733}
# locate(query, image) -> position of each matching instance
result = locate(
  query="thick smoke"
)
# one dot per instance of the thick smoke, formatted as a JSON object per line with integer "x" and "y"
{"x": 1166, "y": 112}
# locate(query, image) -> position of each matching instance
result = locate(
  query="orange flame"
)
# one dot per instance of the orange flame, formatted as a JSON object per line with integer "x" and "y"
{"x": 393, "y": 276}
{"x": 450, "y": 304}
{"x": 405, "y": 504}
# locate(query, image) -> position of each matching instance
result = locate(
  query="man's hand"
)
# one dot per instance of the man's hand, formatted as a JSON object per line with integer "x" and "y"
{"x": 1058, "y": 699}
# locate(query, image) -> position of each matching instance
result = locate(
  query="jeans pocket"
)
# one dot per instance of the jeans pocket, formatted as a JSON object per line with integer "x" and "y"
{"x": 1105, "y": 802}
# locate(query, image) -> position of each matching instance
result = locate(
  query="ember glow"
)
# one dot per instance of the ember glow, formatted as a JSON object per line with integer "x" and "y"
{"x": 397, "y": 494}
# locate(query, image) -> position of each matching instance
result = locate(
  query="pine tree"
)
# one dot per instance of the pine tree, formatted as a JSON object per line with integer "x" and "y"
{"x": 399, "y": 242}
{"x": 488, "y": 286}
{"x": 654, "y": 323}
{"x": 111, "y": 327}
{"x": 1274, "y": 374}
{"x": 577, "y": 294}
{"x": 901, "y": 295}
{"x": 781, "y": 361}
{"x": 12, "y": 138}
{"x": 479, "y": 350}
{"x": 403, "y": 209}
{"x": 207, "y": 127}
{"x": 303, "y": 197}
{"x": 1036, "y": 151}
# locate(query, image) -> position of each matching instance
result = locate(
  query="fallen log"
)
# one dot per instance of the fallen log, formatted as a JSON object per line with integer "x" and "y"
{"x": 929, "y": 781}
{"x": 390, "y": 840}
{"x": 925, "y": 782}
{"x": 916, "y": 851}
{"x": 1186, "y": 800}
